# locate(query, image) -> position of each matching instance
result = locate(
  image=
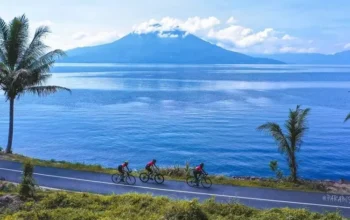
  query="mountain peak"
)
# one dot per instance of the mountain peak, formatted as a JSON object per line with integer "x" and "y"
{"x": 160, "y": 31}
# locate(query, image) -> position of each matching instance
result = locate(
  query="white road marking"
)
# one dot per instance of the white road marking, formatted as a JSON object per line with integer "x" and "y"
{"x": 181, "y": 191}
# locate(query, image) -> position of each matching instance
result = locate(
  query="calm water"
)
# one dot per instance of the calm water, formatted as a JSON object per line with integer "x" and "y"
{"x": 186, "y": 113}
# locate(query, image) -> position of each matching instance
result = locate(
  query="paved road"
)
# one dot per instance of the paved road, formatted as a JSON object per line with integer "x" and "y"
{"x": 255, "y": 197}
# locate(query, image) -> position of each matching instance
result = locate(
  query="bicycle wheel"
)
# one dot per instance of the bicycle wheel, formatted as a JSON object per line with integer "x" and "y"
{"x": 159, "y": 178}
{"x": 131, "y": 180}
{"x": 191, "y": 181}
{"x": 206, "y": 182}
{"x": 144, "y": 177}
{"x": 115, "y": 178}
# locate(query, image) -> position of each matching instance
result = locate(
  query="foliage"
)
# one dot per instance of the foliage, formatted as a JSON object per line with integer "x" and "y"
{"x": 185, "y": 211}
{"x": 6, "y": 187}
{"x": 85, "y": 206}
{"x": 274, "y": 168}
{"x": 27, "y": 186}
{"x": 177, "y": 171}
{"x": 289, "y": 143}
{"x": 24, "y": 64}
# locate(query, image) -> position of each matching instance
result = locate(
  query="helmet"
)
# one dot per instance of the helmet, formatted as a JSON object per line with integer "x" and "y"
{"x": 126, "y": 162}
{"x": 201, "y": 165}
{"x": 154, "y": 160}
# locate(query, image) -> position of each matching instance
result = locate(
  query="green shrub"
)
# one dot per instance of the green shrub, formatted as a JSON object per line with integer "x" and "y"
{"x": 177, "y": 171}
{"x": 186, "y": 211}
{"x": 275, "y": 169}
{"x": 27, "y": 186}
{"x": 85, "y": 206}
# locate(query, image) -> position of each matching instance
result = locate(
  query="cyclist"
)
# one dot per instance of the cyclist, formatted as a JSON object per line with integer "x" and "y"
{"x": 122, "y": 169}
{"x": 198, "y": 171}
{"x": 150, "y": 165}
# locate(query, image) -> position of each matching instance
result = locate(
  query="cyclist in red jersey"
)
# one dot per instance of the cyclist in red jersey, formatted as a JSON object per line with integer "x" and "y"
{"x": 150, "y": 165}
{"x": 198, "y": 171}
{"x": 122, "y": 169}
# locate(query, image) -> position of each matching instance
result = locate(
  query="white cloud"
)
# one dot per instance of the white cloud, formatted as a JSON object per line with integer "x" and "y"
{"x": 43, "y": 23}
{"x": 347, "y": 46}
{"x": 241, "y": 36}
{"x": 231, "y": 20}
{"x": 288, "y": 37}
{"x": 297, "y": 50}
{"x": 167, "y": 35}
{"x": 79, "y": 35}
{"x": 192, "y": 25}
{"x": 228, "y": 35}
{"x": 82, "y": 39}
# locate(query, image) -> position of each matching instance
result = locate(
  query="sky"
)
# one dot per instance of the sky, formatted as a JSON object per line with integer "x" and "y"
{"x": 249, "y": 26}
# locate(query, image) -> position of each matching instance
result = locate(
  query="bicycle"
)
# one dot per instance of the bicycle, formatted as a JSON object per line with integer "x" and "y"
{"x": 156, "y": 176}
{"x": 128, "y": 178}
{"x": 203, "y": 179}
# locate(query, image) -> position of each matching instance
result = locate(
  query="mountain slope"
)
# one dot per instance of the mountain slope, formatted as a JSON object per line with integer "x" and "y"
{"x": 342, "y": 58}
{"x": 167, "y": 47}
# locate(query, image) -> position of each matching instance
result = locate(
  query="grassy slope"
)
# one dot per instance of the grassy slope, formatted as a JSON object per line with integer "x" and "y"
{"x": 174, "y": 173}
{"x": 85, "y": 206}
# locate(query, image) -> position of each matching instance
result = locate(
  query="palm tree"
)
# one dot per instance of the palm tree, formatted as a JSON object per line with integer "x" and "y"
{"x": 24, "y": 64}
{"x": 289, "y": 143}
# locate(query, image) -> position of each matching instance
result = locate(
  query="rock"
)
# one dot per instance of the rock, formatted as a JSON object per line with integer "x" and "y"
{"x": 10, "y": 202}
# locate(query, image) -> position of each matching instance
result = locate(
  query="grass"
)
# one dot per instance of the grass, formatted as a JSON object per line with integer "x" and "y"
{"x": 85, "y": 206}
{"x": 176, "y": 173}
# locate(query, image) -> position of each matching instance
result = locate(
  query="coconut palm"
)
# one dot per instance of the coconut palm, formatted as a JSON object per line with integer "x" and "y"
{"x": 24, "y": 64}
{"x": 289, "y": 143}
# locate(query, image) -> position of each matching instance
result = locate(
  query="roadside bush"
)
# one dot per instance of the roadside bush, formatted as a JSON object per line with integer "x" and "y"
{"x": 27, "y": 186}
{"x": 276, "y": 170}
{"x": 85, "y": 206}
{"x": 186, "y": 211}
{"x": 177, "y": 171}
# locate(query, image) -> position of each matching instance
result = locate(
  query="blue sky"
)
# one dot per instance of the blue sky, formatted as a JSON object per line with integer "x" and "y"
{"x": 256, "y": 26}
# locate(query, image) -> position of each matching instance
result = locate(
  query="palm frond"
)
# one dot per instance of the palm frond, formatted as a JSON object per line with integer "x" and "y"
{"x": 46, "y": 60}
{"x": 291, "y": 126}
{"x": 276, "y": 132}
{"x": 347, "y": 118}
{"x": 36, "y": 48}
{"x": 46, "y": 90}
{"x": 4, "y": 69}
{"x": 20, "y": 76}
{"x": 4, "y": 31}
{"x": 17, "y": 39}
{"x": 301, "y": 126}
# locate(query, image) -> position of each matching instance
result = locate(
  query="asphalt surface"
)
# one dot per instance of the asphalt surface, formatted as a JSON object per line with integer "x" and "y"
{"x": 82, "y": 181}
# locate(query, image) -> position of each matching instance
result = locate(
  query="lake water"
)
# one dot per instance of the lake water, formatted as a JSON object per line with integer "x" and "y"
{"x": 179, "y": 113}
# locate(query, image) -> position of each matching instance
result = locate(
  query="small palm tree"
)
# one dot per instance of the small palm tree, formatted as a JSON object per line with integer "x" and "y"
{"x": 289, "y": 143}
{"x": 24, "y": 64}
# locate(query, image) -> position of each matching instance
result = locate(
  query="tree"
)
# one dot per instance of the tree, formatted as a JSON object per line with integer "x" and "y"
{"x": 27, "y": 186}
{"x": 289, "y": 144}
{"x": 24, "y": 64}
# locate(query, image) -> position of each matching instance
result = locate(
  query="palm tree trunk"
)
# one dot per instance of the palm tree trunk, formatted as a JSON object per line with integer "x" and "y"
{"x": 10, "y": 137}
{"x": 293, "y": 168}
